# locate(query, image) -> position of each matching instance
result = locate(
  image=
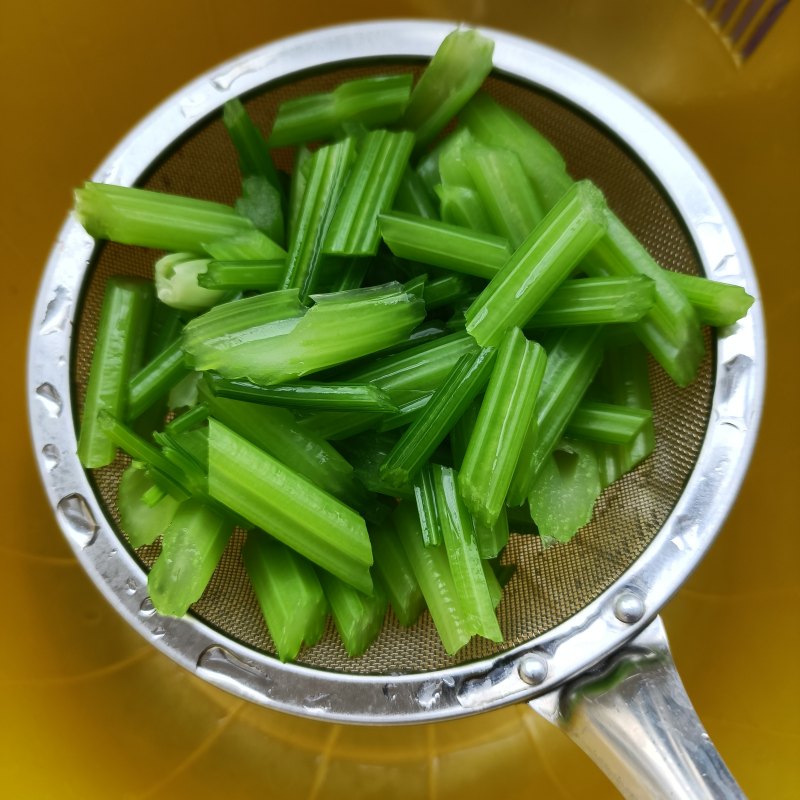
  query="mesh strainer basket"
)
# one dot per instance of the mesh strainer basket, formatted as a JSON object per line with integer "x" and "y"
{"x": 582, "y": 643}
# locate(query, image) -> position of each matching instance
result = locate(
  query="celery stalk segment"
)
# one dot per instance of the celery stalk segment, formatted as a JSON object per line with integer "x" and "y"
{"x": 143, "y": 523}
{"x": 607, "y": 422}
{"x": 425, "y": 499}
{"x": 251, "y": 147}
{"x": 718, "y": 304}
{"x": 394, "y": 569}
{"x": 263, "y": 275}
{"x": 154, "y": 380}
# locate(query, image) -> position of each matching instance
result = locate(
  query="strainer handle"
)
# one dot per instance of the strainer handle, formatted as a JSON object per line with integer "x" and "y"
{"x": 632, "y": 716}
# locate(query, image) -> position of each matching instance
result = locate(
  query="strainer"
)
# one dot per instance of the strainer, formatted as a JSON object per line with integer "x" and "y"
{"x": 583, "y": 643}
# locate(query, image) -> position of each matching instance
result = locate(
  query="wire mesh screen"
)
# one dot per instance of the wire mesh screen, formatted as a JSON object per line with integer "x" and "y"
{"x": 549, "y": 585}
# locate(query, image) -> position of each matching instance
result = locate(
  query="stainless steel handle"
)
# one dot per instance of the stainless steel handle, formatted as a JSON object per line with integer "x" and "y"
{"x": 632, "y": 716}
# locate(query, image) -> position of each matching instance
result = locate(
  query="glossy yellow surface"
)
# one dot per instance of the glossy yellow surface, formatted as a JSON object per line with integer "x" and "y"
{"x": 89, "y": 710}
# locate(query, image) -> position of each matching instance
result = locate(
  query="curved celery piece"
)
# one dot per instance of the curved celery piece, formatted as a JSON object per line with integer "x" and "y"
{"x": 176, "y": 279}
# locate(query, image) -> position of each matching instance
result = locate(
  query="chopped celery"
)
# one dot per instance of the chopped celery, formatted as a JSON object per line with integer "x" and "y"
{"x": 715, "y": 303}
{"x": 504, "y": 417}
{"x": 177, "y": 282}
{"x": 288, "y": 592}
{"x": 191, "y": 548}
{"x": 274, "y": 497}
{"x": 408, "y": 412}
{"x": 239, "y": 275}
{"x": 413, "y": 198}
{"x": 297, "y": 189}
{"x": 425, "y": 499}
{"x": 254, "y": 156}
{"x": 122, "y": 319}
{"x": 143, "y": 523}
{"x": 154, "y": 380}
{"x": 261, "y": 203}
{"x": 188, "y": 420}
{"x": 250, "y": 245}
{"x": 462, "y": 430}
{"x": 607, "y": 422}
{"x": 493, "y": 538}
{"x": 394, "y": 569}
{"x": 461, "y": 206}
{"x": 543, "y": 261}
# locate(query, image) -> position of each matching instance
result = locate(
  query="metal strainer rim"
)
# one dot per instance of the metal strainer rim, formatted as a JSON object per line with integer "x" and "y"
{"x": 540, "y": 664}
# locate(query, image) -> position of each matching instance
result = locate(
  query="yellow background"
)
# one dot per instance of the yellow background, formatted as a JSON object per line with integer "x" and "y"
{"x": 89, "y": 710}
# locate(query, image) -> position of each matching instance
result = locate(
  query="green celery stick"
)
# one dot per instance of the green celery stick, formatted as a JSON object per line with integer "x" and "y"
{"x": 504, "y": 417}
{"x": 250, "y": 245}
{"x": 461, "y": 432}
{"x": 492, "y": 583}
{"x": 442, "y": 245}
{"x": 122, "y": 318}
{"x": 452, "y": 170}
{"x": 154, "y": 380}
{"x": 297, "y": 189}
{"x": 143, "y": 523}
{"x": 288, "y": 592}
{"x": 358, "y": 617}
{"x": 191, "y": 548}
{"x": 607, "y": 422}
{"x": 349, "y": 274}
{"x": 425, "y": 499}
{"x": 177, "y": 278}
{"x": 366, "y": 452}
{"x": 375, "y": 101}
{"x": 154, "y": 219}
{"x": 452, "y": 76}
{"x": 408, "y": 412}
{"x": 337, "y": 425}
{"x": 394, "y": 569}
{"x": 188, "y": 420}
{"x": 261, "y": 202}
{"x": 565, "y": 490}
{"x": 463, "y": 556}
{"x": 413, "y": 197}
{"x": 505, "y": 192}
{"x": 328, "y": 170}
{"x": 184, "y": 393}
{"x": 337, "y": 396}
{"x": 543, "y": 261}
{"x": 462, "y": 206}
{"x": 432, "y": 571}
{"x": 595, "y": 301}
{"x": 254, "y": 155}
{"x": 262, "y": 275}
{"x": 462, "y": 385}
{"x": 496, "y": 126}
{"x": 369, "y": 190}
{"x": 274, "y": 497}
{"x": 671, "y": 329}
{"x": 491, "y": 539}
{"x": 718, "y": 304}
{"x": 571, "y": 366}
{"x": 166, "y": 324}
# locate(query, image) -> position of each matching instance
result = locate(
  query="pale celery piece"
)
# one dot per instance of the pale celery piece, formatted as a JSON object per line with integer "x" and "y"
{"x": 177, "y": 286}
{"x": 461, "y": 206}
{"x": 238, "y": 275}
{"x": 191, "y": 548}
{"x": 425, "y": 499}
{"x": 565, "y": 490}
{"x": 123, "y": 316}
{"x": 250, "y": 245}
{"x": 286, "y": 505}
{"x": 142, "y": 522}
{"x": 718, "y": 304}
{"x": 493, "y": 538}
{"x": 453, "y": 75}
{"x": 153, "y": 219}
{"x": 607, "y": 422}
{"x": 504, "y": 417}
{"x": 432, "y": 571}
{"x": 463, "y": 556}
{"x": 543, "y": 261}
{"x": 374, "y": 101}
{"x": 397, "y": 577}
{"x": 288, "y": 592}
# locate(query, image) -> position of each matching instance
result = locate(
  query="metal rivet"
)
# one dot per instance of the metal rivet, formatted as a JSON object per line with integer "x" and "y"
{"x": 533, "y": 670}
{"x": 628, "y": 607}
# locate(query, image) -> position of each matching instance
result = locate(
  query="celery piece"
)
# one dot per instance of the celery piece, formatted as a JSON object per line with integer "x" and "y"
{"x": 348, "y": 275}
{"x": 394, "y": 570}
{"x": 595, "y": 301}
{"x": 452, "y": 169}
{"x": 240, "y": 275}
{"x": 565, "y": 490}
{"x": 461, "y": 432}
{"x": 504, "y": 417}
{"x": 462, "y": 554}
{"x": 122, "y": 319}
{"x": 250, "y": 245}
{"x": 358, "y": 617}
{"x": 184, "y": 393}
{"x": 191, "y": 548}
{"x": 366, "y": 452}
{"x": 177, "y": 282}
{"x": 432, "y": 571}
{"x": 442, "y": 245}
{"x": 543, "y": 261}
{"x": 571, "y": 366}
{"x": 154, "y": 219}
{"x": 369, "y": 190}
{"x": 413, "y": 197}
{"x": 297, "y": 189}
{"x": 462, "y": 385}
{"x": 288, "y": 506}
{"x": 446, "y": 290}
{"x": 288, "y": 592}
{"x": 166, "y": 324}
{"x": 333, "y": 396}
{"x": 671, "y": 329}
{"x": 425, "y": 499}
{"x": 493, "y": 582}
{"x": 493, "y": 538}
{"x": 188, "y": 420}
{"x": 607, "y": 422}
{"x": 261, "y": 203}
{"x": 496, "y": 126}
{"x": 337, "y": 425}
{"x": 373, "y": 101}
{"x": 328, "y": 170}
{"x": 505, "y": 192}
{"x": 452, "y": 76}
{"x": 462, "y": 206}
{"x": 154, "y": 380}
{"x": 408, "y": 411}
{"x": 718, "y": 304}
{"x": 254, "y": 156}
{"x": 143, "y": 523}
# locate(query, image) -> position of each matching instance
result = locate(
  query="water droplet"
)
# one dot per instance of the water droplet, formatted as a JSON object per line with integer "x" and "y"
{"x": 77, "y": 519}
{"x": 687, "y": 533}
{"x": 50, "y": 398}
{"x": 51, "y": 456}
{"x": 430, "y": 694}
{"x": 147, "y": 609}
{"x": 62, "y": 362}
{"x": 131, "y": 587}
{"x": 158, "y": 632}
{"x": 57, "y": 313}
{"x": 224, "y": 81}
{"x": 319, "y": 700}
{"x": 391, "y": 691}
{"x": 194, "y": 105}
